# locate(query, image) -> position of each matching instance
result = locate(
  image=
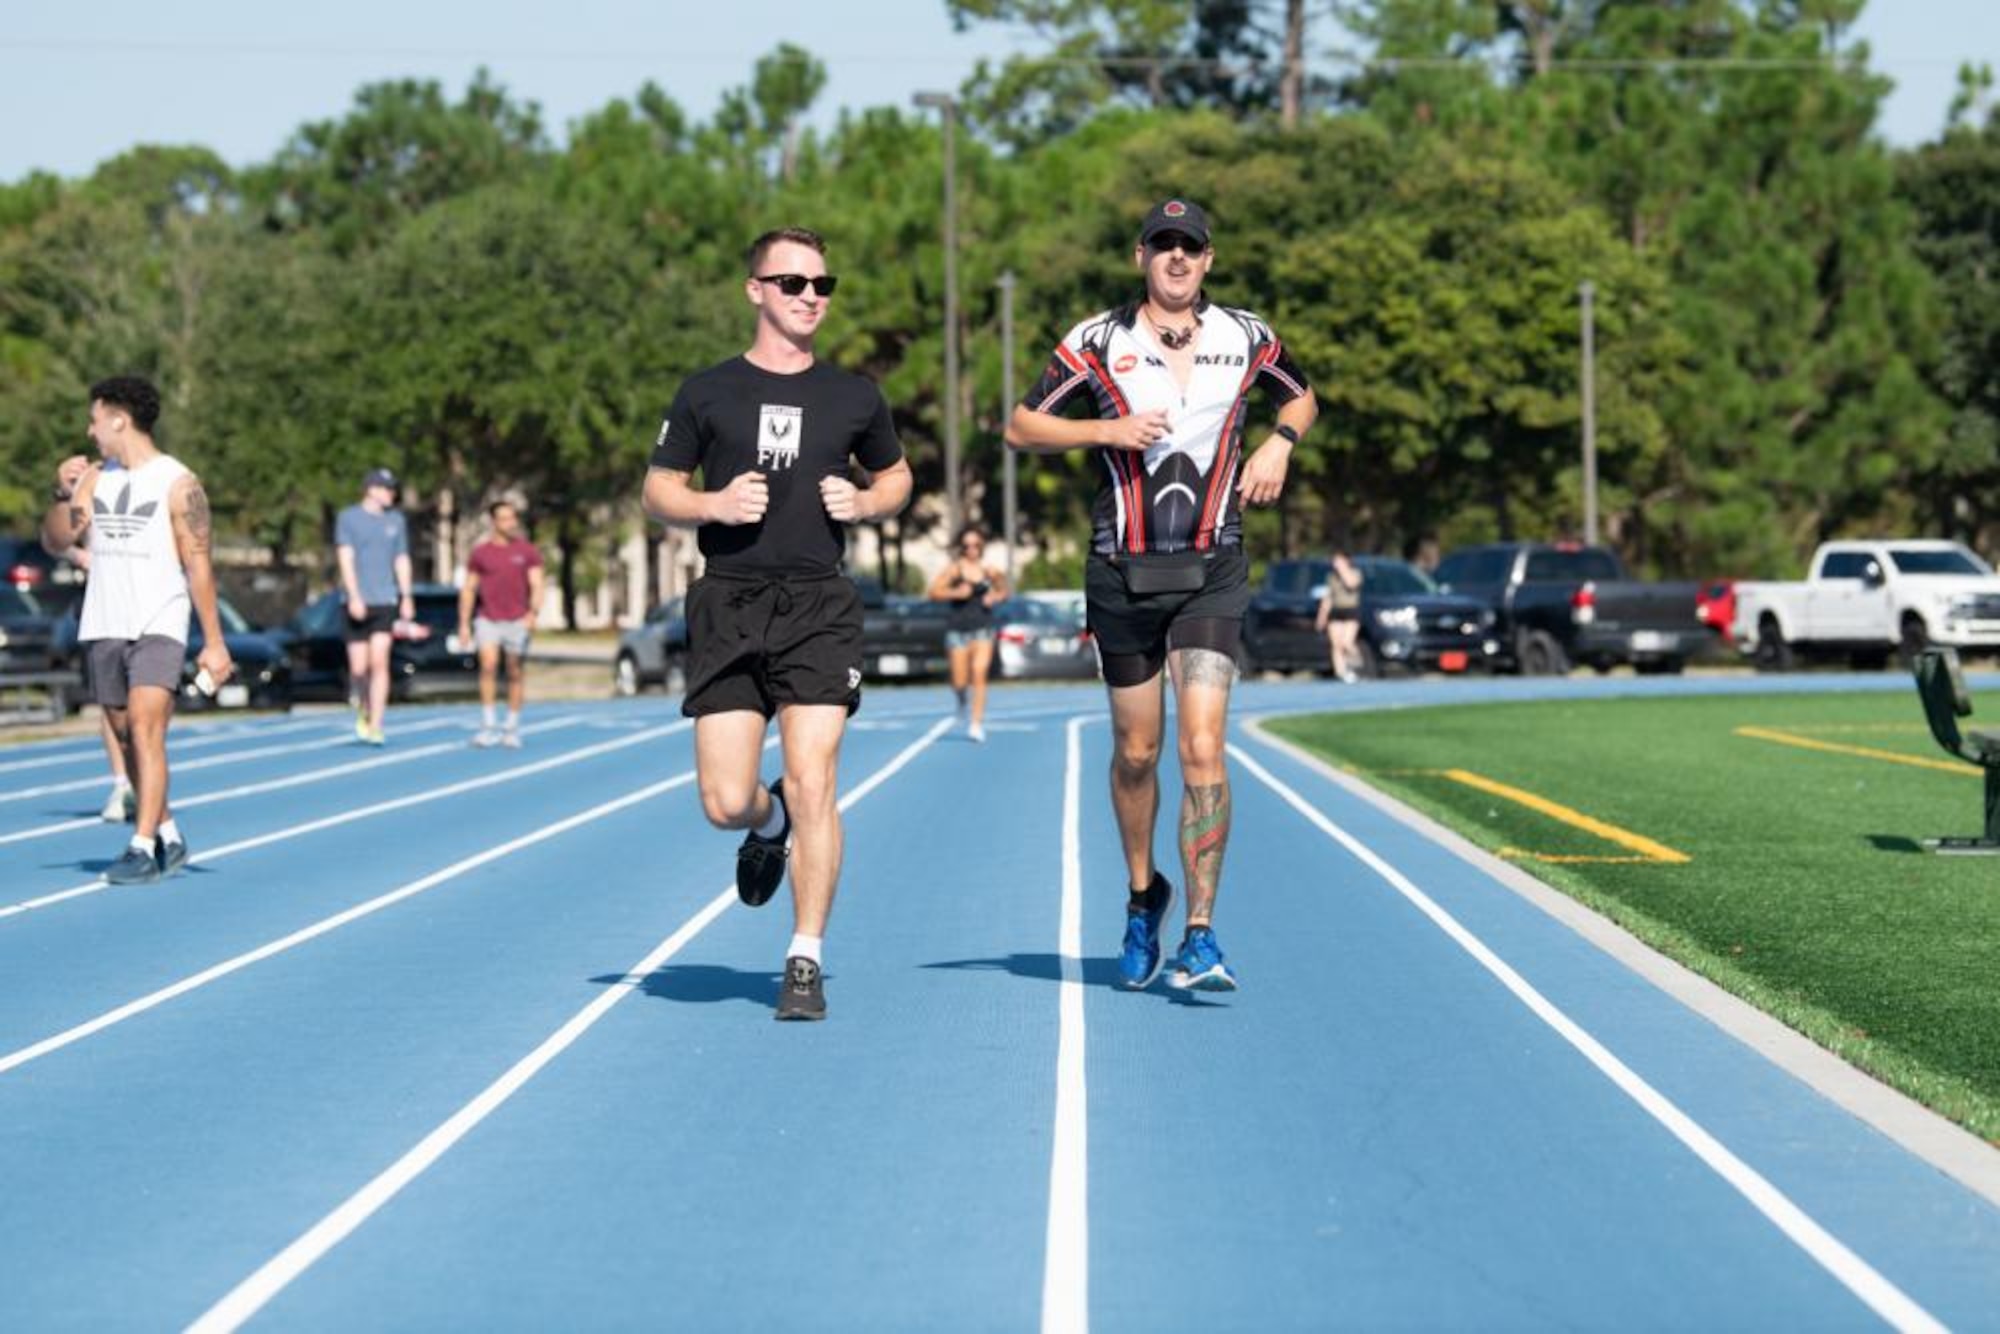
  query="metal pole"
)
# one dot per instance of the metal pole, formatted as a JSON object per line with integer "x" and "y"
{"x": 951, "y": 388}
{"x": 1011, "y": 512}
{"x": 1588, "y": 292}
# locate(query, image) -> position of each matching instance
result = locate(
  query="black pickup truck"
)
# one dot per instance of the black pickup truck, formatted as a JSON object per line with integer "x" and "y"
{"x": 1406, "y": 624}
{"x": 902, "y": 638}
{"x": 1559, "y": 605}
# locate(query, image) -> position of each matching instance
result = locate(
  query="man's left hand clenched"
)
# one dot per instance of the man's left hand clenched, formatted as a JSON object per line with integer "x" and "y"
{"x": 1264, "y": 473}
{"x": 842, "y": 499}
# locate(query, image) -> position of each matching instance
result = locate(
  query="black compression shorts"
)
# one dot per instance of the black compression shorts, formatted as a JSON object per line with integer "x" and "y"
{"x": 1135, "y": 632}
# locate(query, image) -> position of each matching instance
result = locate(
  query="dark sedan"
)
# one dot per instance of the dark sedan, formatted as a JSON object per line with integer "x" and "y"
{"x": 424, "y": 663}
{"x": 27, "y": 632}
{"x": 1406, "y": 624}
{"x": 263, "y": 678}
{"x": 653, "y": 652}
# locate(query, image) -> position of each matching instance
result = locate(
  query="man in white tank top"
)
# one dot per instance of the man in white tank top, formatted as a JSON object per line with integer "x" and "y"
{"x": 147, "y": 522}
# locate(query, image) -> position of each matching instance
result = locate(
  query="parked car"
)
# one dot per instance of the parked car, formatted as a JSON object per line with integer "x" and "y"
{"x": 25, "y": 564}
{"x": 653, "y": 652}
{"x": 1556, "y": 605}
{"x": 1715, "y": 605}
{"x": 1867, "y": 601}
{"x": 315, "y": 642}
{"x": 27, "y": 632}
{"x": 1037, "y": 638}
{"x": 902, "y": 637}
{"x": 1406, "y": 623}
{"x": 263, "y": 678}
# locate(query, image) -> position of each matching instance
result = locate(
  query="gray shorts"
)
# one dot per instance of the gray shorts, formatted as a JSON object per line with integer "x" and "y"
{"x": 116, "y": 665}
{"x": 511, "y": 636}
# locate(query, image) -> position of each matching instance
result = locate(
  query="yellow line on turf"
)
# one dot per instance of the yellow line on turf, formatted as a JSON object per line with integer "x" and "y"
{"x": 1864, "y": 752}
{"x": 1522, "y": 854}
{"x": 1610, "y": 833}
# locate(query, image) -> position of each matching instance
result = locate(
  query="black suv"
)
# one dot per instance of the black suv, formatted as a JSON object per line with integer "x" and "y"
{"x": 1406, "y": 624}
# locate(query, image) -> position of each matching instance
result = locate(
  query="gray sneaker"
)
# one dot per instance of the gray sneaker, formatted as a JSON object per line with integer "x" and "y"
{"x": 172, "y": 856}
{"x": 133, "y": 868}
{"x": 802, "y": 994}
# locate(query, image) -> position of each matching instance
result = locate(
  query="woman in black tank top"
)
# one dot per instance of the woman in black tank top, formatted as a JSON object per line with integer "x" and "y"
{"x": 973, "y": 589}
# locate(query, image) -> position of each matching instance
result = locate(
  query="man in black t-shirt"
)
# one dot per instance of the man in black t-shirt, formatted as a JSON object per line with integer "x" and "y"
{"x": 1164, "y": 384}
{"x": 774, "y": 628}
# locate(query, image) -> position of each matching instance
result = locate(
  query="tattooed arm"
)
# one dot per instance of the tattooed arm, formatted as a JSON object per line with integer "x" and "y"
{"x": 194, "y": 538}
{"x": 67, "y": 520}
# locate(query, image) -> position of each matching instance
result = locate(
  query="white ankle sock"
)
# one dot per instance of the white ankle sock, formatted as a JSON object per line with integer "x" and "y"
{"x": 144, "y": 845}
{"x": 170, "y": 831}
{"x": 513, "y": 721}
{"x": 804, "y": 947}
{"x": 774, "y": 826}
{"x": 490, "y": 713}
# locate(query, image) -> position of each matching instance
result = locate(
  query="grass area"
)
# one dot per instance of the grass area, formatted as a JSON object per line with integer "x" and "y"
{"x": 1804, "y": 890}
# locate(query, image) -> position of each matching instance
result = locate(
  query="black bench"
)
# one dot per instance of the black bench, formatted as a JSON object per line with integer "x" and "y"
{"x": 1941, "y": 686}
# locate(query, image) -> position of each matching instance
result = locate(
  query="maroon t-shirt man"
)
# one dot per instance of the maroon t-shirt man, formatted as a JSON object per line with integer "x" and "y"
{"x": 503, "y": 568}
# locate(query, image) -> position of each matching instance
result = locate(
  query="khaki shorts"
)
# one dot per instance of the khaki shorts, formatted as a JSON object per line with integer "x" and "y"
{"x": 511, "y": 636}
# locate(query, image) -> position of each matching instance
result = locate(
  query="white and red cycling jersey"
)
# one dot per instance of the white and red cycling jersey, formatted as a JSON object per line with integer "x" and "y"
{"x": 1181, "y": 492}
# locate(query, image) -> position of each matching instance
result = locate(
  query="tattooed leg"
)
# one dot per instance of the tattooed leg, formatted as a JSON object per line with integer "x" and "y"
{"x": 1202, "y": 678}
{"x": 1204, "y": 835}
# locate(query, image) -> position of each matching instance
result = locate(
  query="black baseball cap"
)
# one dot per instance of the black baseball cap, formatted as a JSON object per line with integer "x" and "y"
{"x": 1175, "y": 215}
{"x": 381, "y": 477}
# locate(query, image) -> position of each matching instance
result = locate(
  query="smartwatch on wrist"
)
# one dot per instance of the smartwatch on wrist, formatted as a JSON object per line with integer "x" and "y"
{"x": 1285, "y": 431}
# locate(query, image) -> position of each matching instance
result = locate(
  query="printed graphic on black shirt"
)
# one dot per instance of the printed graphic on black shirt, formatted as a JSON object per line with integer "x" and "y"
{"x": 778, "y": 436}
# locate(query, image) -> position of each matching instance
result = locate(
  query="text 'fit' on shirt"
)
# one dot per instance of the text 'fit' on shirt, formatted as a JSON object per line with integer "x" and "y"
{"x": 1181, "y": 492}
{"x": 795, "y": 429}
{"x": 137, "y": 584}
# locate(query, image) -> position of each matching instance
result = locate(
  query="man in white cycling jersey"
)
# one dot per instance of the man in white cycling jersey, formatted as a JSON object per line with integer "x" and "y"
{"x": 1160, "y": 389}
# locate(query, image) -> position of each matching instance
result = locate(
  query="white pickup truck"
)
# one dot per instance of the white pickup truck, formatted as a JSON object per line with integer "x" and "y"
{"x": 1866, "y": 601}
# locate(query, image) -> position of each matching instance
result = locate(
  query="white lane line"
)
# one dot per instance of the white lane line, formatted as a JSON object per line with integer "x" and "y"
{"x": 279, "y": 784}
{"x": 253, "y": 1293}
{"x": 227, "y": 757}
{"x": 1850, "y": 1270}
{"x": 69, "y": 1036}
{"x": 90, "y": 749}
{"x": 1066, "y": 1257}
{"x": 364, "y": 812}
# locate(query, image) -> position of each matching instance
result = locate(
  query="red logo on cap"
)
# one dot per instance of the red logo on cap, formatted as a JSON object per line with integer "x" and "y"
{"x": 1124, "y": 363}
{"x": 1175, "y": 209}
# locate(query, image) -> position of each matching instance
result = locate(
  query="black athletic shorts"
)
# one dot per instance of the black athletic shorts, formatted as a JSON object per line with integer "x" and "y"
{"x": 377, "y": 621}
{"x": 757, "y": 642}
{"x": 1135, "y": 631}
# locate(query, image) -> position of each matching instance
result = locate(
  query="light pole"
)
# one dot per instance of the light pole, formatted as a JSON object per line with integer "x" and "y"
{"x": 1588, "y": 293}
{"x": 948, "y": 105}
{"x": 1011, "y": 513}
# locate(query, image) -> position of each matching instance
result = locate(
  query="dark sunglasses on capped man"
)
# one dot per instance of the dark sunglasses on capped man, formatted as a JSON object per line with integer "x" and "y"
{"x": 791, "y": 284}
{"x": 1166, "y": 241}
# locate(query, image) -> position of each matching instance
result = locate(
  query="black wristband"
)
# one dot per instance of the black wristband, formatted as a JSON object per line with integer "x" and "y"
{"x": 57, "y": 495}
{"x": 1285, "y": 431}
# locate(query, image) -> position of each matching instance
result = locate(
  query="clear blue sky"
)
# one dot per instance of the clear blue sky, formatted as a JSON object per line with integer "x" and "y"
{"x": 79, "y": 84}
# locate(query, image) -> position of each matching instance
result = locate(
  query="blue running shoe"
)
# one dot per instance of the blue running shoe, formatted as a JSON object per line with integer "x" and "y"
{"x": 1140, "y": 962}
{"x": 1199, "y": 966}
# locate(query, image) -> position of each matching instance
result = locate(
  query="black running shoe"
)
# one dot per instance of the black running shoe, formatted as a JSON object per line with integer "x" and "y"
{"x": 172, "y": 856}
{"x": 760, "y": 862}
{"x": 800, "y": 995}
{"x": 134, "y": 868}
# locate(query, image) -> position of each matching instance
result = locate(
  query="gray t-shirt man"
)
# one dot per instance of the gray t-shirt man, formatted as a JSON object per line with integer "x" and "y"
{"x": 376, "y": 539}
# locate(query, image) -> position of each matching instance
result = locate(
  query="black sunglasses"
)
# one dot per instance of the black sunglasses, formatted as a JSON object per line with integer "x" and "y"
{"x": 1166, "y": 241}
{"x": 791, "y": 284}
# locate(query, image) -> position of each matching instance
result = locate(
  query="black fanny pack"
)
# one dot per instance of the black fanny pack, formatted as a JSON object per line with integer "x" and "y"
{"x": 1150, "y": 572}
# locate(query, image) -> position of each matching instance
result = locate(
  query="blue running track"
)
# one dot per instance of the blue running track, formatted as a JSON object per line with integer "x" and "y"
{"x": 436, "y": 1038}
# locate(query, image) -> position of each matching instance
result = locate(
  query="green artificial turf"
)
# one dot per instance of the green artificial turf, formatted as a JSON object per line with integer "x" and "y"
{"x": 1807, "y": 891}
